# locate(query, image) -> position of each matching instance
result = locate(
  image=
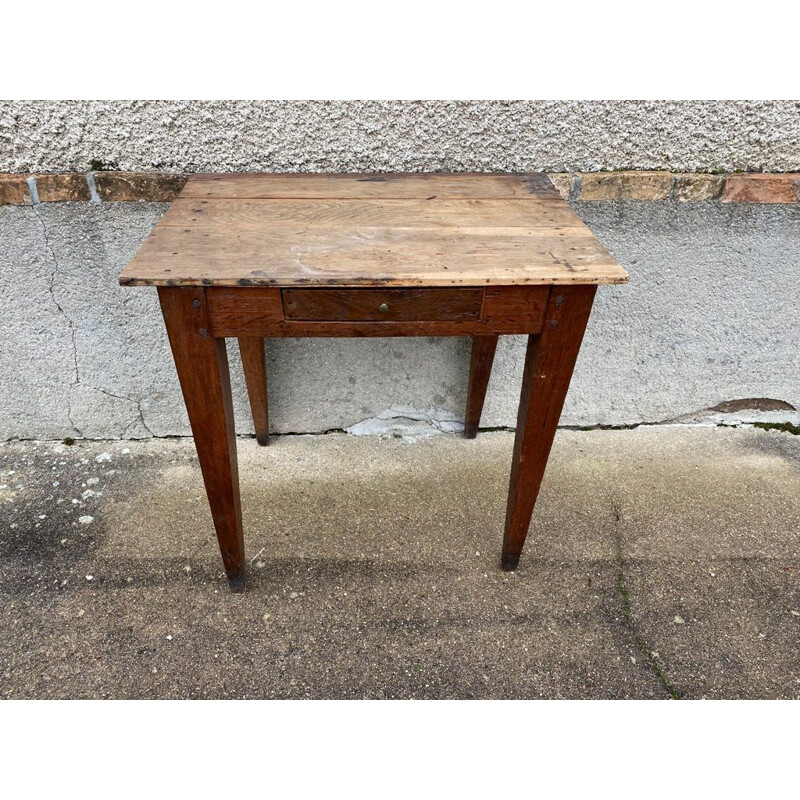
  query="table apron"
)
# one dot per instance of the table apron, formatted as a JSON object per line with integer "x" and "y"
{"x": 260, "y": 311}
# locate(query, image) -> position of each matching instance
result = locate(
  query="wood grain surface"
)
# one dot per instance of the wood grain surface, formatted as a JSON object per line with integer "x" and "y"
{"x": 254, "y": 365}
{"x": 416, "y": 185}
{"x": 433, "y": 229}
{"x": 480, "y": 370}
{"x": 202, "y": 364}
{"x": 549, "y": 362}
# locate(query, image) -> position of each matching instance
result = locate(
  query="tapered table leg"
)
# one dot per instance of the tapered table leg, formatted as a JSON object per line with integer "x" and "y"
{"x": 255, "y": 376}
{"x": 202, "y": 364}
{"x": 480, "y": 368}
{"x": 549, "y": 362}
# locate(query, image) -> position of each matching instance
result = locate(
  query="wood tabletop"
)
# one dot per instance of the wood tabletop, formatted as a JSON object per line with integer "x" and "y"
{"x": 421, "y": 229}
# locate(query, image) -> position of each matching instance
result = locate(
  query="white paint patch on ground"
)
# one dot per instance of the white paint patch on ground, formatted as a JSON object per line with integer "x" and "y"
{"x": 408, "y": 423}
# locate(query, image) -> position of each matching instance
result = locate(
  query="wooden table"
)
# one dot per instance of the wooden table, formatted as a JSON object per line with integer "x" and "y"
{"x": 257, "y": 256}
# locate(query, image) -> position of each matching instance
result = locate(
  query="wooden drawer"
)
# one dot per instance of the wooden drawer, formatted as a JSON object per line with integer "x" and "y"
{"x": 382, "y": 305}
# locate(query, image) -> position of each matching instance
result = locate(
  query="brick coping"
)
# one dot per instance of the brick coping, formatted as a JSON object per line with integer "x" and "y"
{"x": 682, "y": 187}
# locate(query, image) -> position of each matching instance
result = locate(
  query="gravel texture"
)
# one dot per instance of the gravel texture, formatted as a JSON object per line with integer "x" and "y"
{"x": 554, "y": 136}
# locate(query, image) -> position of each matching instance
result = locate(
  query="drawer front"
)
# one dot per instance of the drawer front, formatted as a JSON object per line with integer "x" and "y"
{"x": 382, "y": 305}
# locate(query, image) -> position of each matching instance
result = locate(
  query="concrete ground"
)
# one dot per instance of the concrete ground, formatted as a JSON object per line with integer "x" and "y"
{"x": 661, "y": 561}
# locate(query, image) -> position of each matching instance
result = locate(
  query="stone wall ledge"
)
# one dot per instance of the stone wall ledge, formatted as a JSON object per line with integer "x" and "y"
{"x": 593, "y": 187}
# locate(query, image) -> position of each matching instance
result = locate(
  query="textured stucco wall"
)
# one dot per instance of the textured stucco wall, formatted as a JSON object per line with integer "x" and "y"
{"x": 712, "y": 313}
{"x": 52, "y": 136}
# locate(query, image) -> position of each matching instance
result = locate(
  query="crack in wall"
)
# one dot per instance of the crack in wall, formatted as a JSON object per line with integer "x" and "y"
{"x": 51, "y": 288}
{"x": 72, "y": 331}
{"x": 137, "y": 403}
{"x": 627, "y": 613}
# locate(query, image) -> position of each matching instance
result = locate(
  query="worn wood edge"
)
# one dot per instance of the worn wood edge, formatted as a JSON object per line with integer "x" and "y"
{"x": 538, "y": 183}
{"x": 327, "y": 283}
{"x": 734, "y": 187}
{"x": 206, "y": 177}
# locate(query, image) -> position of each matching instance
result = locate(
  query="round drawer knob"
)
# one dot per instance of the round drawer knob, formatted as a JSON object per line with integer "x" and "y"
{"x": 383, "y": 308}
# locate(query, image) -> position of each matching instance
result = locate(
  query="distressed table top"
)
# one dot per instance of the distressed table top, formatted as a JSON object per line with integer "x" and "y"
{"x": 424, "y": 229}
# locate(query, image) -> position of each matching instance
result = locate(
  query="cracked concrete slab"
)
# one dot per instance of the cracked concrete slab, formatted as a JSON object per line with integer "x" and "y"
{"x": 712, "y": 314}
{"x": 374, "y": 569}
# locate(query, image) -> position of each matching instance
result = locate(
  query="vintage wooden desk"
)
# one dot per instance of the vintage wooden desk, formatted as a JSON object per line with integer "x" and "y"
{"x": 257, "y": 256}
